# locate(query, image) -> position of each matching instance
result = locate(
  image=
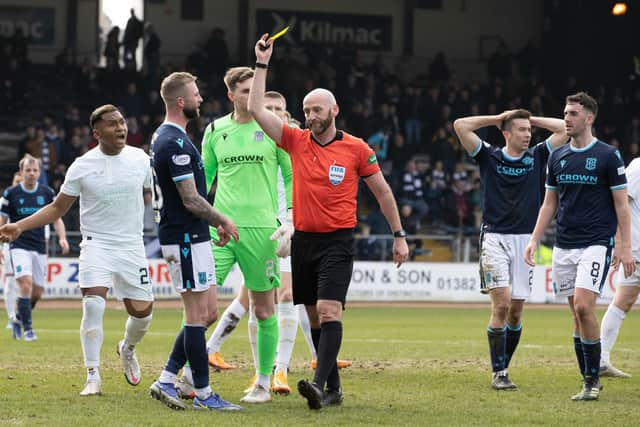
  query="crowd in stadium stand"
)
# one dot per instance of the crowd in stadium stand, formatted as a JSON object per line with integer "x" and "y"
{"x": 406, "y": 115}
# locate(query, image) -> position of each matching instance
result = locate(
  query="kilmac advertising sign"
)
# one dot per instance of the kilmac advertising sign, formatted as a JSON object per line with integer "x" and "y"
{"x": 367, "y": 32}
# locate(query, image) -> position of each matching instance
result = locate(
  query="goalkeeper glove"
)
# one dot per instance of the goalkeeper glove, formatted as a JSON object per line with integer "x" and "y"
{"x": 283, "y": 236}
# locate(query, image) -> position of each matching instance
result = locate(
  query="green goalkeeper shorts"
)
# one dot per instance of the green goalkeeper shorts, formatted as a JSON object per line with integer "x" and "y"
{"x": 256, "y": 256}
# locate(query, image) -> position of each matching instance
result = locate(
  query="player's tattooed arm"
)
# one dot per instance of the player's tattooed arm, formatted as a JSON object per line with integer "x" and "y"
{"x": 197, "y": 204}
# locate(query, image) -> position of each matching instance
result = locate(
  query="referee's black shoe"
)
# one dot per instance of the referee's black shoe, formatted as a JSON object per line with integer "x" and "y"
{"x": 312, "y": 393}
{"x": 332, "y": 397}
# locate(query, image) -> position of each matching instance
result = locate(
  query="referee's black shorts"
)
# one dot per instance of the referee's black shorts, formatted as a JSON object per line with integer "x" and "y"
{"x": 321, "y": 265}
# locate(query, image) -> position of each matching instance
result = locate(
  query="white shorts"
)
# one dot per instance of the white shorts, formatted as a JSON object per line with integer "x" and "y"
{"x": 285, "y": 265}
{"x": 8, "y": 267}
{"x": 633, "y": 280}
{"x": 584, "y": 268}
{"x": 29, "y": 263}
{"x": 502, "y": 264}
{"x": 125, "y": 268}
{"x": 191, "y": 266}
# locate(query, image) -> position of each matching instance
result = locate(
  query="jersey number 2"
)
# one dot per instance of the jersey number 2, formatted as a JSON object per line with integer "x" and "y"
{"x": 144, "y": 276}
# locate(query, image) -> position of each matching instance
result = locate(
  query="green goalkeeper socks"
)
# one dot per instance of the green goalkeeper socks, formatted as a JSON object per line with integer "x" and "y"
{"x": 267, "y": 342}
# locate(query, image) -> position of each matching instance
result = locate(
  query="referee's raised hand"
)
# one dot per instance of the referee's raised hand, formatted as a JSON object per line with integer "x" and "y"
{"x": 264, "y": 49}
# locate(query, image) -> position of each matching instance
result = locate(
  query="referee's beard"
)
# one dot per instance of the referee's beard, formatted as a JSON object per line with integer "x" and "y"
{"x": 319, "y": 126}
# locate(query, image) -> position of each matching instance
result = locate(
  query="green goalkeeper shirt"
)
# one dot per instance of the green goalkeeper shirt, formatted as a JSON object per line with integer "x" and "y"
{"x": 245, "y": 161}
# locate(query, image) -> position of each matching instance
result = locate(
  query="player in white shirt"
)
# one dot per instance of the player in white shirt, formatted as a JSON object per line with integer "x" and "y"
{"x": 627, "y": 289}
{"x": 109, "y": 180}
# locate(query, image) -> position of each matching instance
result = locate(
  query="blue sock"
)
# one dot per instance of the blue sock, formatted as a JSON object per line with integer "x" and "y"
{"x": 513, "y": 338}
{"x": 177, "y": 358}
{"x": 195, "y": 346}
{"x": 577, "y": 346}
{"x": 24, "y": 310}
{"x": 591, "y": 350}
{"x": 497, "y": 347}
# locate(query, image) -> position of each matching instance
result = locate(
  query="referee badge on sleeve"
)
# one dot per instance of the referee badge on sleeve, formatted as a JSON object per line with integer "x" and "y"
{"x": 336, "y": 174}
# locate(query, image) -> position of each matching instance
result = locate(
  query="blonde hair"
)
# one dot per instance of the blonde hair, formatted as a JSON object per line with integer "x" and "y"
{"x": 272, "y": 94}
{"x": 173, "y": 85}
{"x": 27, "y": 159}
{"x": 236, "y": 75}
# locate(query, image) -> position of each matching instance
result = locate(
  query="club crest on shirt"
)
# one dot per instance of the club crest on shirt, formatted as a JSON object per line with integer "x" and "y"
{"x": 40, "y": 200}
{"x": 336, "y": 174}
{"x": 202, "y": 277}
{"x": 590, "y": 163}
{"x": 258, "y": 136}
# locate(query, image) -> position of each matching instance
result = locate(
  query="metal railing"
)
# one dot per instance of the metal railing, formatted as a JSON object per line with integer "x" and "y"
{"x": 371, "y": 247}
{"x": 463, "y": 247}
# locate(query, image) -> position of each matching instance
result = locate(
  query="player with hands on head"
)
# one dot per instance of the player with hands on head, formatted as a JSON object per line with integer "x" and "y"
{"x": 511, "y": 178}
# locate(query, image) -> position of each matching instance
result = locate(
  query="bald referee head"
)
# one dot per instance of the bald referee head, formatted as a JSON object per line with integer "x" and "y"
{"x": 320, "y": 111}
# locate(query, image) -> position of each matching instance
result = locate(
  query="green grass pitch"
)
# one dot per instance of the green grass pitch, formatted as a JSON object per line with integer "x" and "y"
{"x": 412, "y": 366}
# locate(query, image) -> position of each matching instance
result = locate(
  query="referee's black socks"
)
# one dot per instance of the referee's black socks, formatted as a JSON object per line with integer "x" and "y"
{"x": 328, "y": 348}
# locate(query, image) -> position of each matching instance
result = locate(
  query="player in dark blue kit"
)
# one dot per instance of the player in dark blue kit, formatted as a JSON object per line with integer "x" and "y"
{"x": 28, "y": 253}
{"x": 512, "y": 180}
{"x": 586, "y": 184}
{"x": 185, "y": 217}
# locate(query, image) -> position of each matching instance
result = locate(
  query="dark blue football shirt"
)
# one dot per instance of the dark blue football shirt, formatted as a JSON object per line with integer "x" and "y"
{"x": 175, "y": 158}
{"x": 18, "y": 203}
{"x": 584, "y": 179}
{"x": 512, "y": 188}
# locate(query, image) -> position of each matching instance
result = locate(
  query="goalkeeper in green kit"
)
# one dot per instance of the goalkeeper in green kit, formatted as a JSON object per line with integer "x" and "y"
{"x": 245, "y": 162}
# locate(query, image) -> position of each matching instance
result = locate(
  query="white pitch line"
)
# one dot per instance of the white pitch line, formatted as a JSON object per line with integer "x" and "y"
{"x": 358, "y": 340}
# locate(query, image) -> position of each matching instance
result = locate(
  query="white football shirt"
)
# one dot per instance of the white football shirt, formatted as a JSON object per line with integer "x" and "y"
{"x": 633, "y": 191}
{"x": 110, "y": 190}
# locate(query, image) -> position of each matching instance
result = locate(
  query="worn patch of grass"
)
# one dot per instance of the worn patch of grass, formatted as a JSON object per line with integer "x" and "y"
{"x": 412, "y": 366}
